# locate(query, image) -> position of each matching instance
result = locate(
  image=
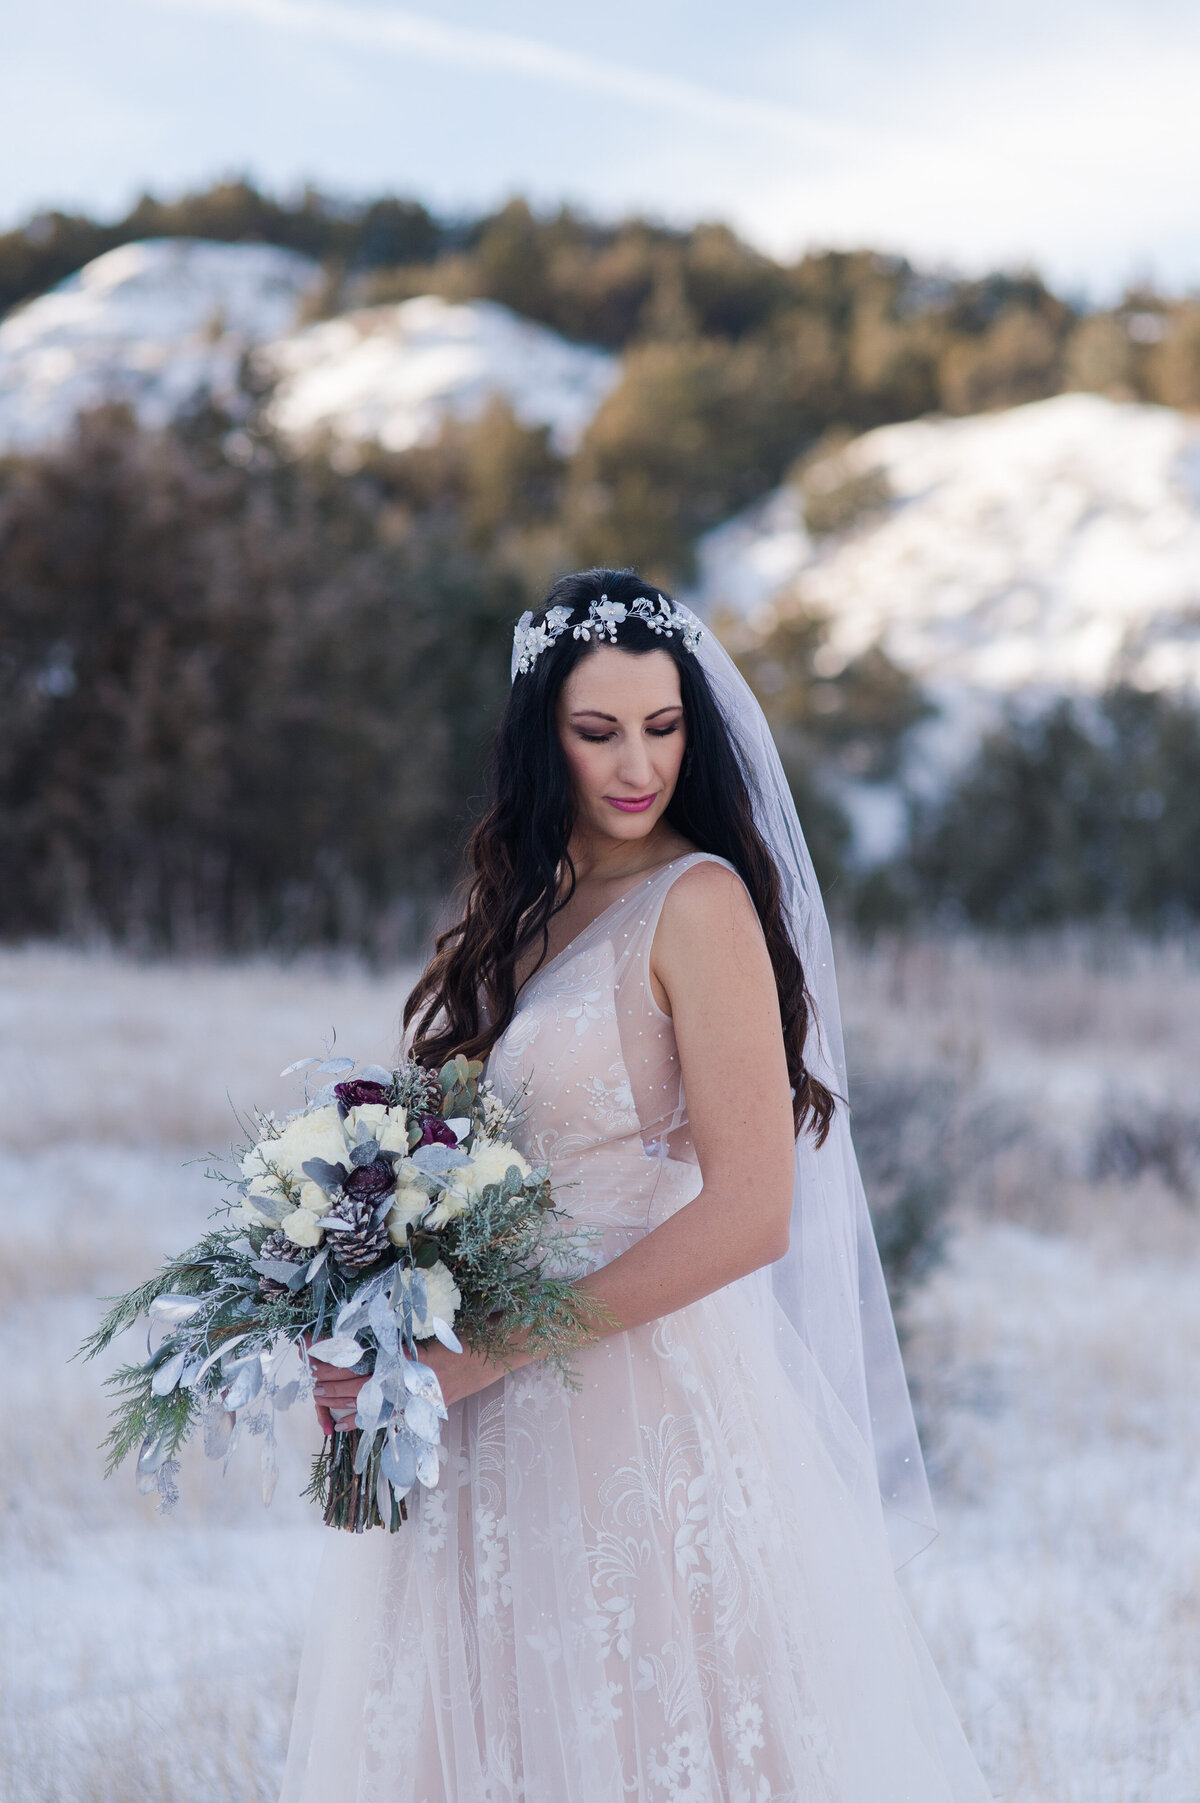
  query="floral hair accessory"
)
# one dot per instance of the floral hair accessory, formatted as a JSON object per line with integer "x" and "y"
{"x": 601, "y": 622}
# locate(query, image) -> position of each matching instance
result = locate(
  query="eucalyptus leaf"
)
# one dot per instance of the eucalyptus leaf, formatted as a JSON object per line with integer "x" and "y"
{"x": 365, "y": 1152}
{"x": 376, "y": 1073}
{"x": 300, "y": 1064}
{"x": 422, "y": 1419}
{"x": 153, "y": 1452}
{"x": 342, "y": 1350}
{"x": 399, "y": 1461}
{"x": 370, "y": 1406}
{"x": 335, "y": 1067}
{"x": 270, "y": 1468}
{"x": 286, "y": 1396}
{"x": 168, "y": 1374}
{"x": 222, "y": 1351}
{"x": 428, "y": 1466}
{"x": 326, "y": 1176}
{"x": 247, "y": 1382}
{"x": 172, "y": 1311}
{"x": 218, "y": 1428}
{"x": 422, "y": 1380}
{"x": 274, "y": 1207}
{"x": 445, "y": 1333}
{"x": 436, "y": 1160}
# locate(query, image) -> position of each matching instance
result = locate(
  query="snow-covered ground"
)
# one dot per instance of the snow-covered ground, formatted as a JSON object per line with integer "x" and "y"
{"x": 1048, "y": 548}
{"x": 151, "y": 1660}
{"x": 157, "y": 325}
{"x": 164, "y": 323}
{"x": 391, "y": 375}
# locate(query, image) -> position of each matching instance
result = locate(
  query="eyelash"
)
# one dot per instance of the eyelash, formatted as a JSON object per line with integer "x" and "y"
{"x": 656, "y": 732}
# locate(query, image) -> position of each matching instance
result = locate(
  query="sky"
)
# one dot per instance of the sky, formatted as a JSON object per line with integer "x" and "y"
{"x": 1063, "y": 135}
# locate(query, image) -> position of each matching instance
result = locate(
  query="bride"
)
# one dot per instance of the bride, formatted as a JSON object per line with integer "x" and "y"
{"x": 676, "y": 1582}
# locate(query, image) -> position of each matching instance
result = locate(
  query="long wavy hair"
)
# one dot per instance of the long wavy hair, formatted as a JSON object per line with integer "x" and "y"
{"x": 521, "y": 871}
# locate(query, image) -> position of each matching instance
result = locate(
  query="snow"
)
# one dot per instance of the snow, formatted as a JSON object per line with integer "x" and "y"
{"x": 157, "y": 324}
{"x": 1046, "y": 548}
{"x": 391, "y": 375}
{"x": 166, "y": 322}
{"x": 150, "y": 1659}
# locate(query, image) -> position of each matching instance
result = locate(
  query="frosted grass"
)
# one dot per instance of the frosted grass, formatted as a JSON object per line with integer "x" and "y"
{"x": 145, "y": 1660}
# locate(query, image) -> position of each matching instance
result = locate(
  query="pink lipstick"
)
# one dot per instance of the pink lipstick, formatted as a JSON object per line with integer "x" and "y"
{"x": 637, "y": 805}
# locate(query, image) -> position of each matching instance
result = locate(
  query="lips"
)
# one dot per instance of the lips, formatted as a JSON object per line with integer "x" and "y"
{"x": 636, "y": 804}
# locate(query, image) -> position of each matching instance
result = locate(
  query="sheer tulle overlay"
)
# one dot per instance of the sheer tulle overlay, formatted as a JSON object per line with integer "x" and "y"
{"x": 672, "y": 1585}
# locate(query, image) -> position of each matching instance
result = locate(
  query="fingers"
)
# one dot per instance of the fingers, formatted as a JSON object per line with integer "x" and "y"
{"x": 325, "y": 1419}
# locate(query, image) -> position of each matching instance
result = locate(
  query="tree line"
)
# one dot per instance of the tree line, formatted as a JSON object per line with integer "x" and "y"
{"x": 245, "y": 696}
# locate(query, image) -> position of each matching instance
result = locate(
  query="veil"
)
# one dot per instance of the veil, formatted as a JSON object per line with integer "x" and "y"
{"x": 829, "y": 1284}
{"x": 835, "y": 1334}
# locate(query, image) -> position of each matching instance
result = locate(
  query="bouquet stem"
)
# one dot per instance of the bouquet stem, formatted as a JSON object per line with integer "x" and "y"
{"x": 350, "y": 1499}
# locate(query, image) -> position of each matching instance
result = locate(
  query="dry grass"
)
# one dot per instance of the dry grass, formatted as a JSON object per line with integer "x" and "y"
{"x": 147, "y": 1659}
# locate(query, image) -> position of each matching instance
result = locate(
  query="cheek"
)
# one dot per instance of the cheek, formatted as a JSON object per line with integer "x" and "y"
{"x": 670, "y": 760}
{"x": 585, "y": 764}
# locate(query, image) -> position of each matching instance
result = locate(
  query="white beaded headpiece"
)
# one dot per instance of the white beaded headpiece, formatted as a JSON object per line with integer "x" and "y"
{"x": 603, "y": 617}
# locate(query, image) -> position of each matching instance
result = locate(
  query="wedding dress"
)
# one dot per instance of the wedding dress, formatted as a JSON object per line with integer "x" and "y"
{"x": 666, "y": 1586}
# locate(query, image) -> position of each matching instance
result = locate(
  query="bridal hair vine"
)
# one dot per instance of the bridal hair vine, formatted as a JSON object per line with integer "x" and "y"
{"x": 601, "y": 621}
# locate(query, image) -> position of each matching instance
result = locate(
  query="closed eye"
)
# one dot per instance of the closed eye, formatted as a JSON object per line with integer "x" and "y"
{"x": 602, "y": 738}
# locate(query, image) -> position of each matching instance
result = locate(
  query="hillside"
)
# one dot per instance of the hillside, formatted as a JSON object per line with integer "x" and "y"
{"x": 164, "y": 324}
{"x": 390, "y": 375}
{"x": 1053, "y": 547}
{"x": 157, "y": 325}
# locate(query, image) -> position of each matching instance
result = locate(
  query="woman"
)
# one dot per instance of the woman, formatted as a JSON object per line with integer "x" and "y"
{"x": 674, "y": 1583}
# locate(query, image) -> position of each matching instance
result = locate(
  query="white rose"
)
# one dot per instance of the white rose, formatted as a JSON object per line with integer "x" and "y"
{"x": 312, "y": 1197}
{"x": 316, "y": 1135}
{"x": 489, "y": 1162}
{"x": 410, "y": 1204}
{"x": 394, "y": 1134}
{"x": 372, "y": 1115}
{"x": 442, "y": 1298}
{"x": 303, "y": 1228}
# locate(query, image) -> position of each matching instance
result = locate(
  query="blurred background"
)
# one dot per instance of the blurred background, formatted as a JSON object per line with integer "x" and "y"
{"x": 329, "y": 333}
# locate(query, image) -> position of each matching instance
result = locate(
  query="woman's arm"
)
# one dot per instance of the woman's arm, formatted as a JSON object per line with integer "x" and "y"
{"x": 711, "y": 968}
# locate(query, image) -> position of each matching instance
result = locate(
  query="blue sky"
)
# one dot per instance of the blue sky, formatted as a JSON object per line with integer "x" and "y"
{"x": 1064, "y": 134}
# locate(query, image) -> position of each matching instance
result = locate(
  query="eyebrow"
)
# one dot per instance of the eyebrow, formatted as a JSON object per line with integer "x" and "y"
{"x": 671, "y": 708}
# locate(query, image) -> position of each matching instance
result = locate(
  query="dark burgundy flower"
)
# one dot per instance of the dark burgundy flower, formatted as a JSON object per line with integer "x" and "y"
{"x": 370, "y": 1182}
{"x": 436, "y": 1132}
{"x": 357, "y": 1091}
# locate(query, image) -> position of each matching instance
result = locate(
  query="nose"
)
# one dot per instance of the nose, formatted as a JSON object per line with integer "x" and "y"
{"x": 635, "y": 769}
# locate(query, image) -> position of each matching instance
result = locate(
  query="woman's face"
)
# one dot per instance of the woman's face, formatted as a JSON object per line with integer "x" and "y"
{"x": 621, "y": 726}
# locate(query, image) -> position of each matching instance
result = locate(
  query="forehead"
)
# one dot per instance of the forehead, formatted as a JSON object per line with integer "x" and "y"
{"x": 617, "y": 682}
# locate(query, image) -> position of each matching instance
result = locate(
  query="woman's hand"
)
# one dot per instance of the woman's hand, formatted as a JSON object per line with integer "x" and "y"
{"x": 459, "y": 1373}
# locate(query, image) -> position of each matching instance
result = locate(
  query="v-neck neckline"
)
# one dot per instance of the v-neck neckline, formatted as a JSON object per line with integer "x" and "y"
{"x": 597, "y": 918}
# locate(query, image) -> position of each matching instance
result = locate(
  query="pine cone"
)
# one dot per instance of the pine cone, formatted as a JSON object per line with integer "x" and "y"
{"x": 354, "y": 1237}
{"x": 277, "y": 1245}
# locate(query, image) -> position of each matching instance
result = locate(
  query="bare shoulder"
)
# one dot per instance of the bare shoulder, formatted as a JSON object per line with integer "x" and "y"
{"x": 708, "y": 930}
{"x": 708, "y": 899}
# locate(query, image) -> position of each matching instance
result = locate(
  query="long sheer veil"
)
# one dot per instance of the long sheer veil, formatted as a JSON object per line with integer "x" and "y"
{"x": 829, "y": 1285}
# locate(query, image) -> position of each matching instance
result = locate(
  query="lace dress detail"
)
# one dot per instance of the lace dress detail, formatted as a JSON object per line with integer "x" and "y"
{"x": 657, "y": 1589}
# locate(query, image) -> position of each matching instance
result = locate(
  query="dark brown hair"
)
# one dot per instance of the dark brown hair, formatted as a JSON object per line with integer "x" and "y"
{"x": 520, "y": 849}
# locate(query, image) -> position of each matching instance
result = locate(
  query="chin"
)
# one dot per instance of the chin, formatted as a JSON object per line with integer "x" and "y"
{"x": 616, "y": 825}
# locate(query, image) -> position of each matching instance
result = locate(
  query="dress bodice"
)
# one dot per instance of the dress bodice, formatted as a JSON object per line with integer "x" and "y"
{"x": 594, "y": 1062}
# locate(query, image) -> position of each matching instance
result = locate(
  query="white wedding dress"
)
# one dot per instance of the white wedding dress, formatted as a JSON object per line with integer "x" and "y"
{"x": 663, "y": 1587}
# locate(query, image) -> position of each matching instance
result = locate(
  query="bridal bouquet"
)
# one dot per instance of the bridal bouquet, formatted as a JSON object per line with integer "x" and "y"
{"x": 390, "y": 1209}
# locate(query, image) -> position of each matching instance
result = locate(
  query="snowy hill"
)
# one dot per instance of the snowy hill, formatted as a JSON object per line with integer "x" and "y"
{"x": 163, "y": 323}
{"x": 156, "y": 324}
{"x": 1052, "y": 547}
{"x": 390, "y": 375}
